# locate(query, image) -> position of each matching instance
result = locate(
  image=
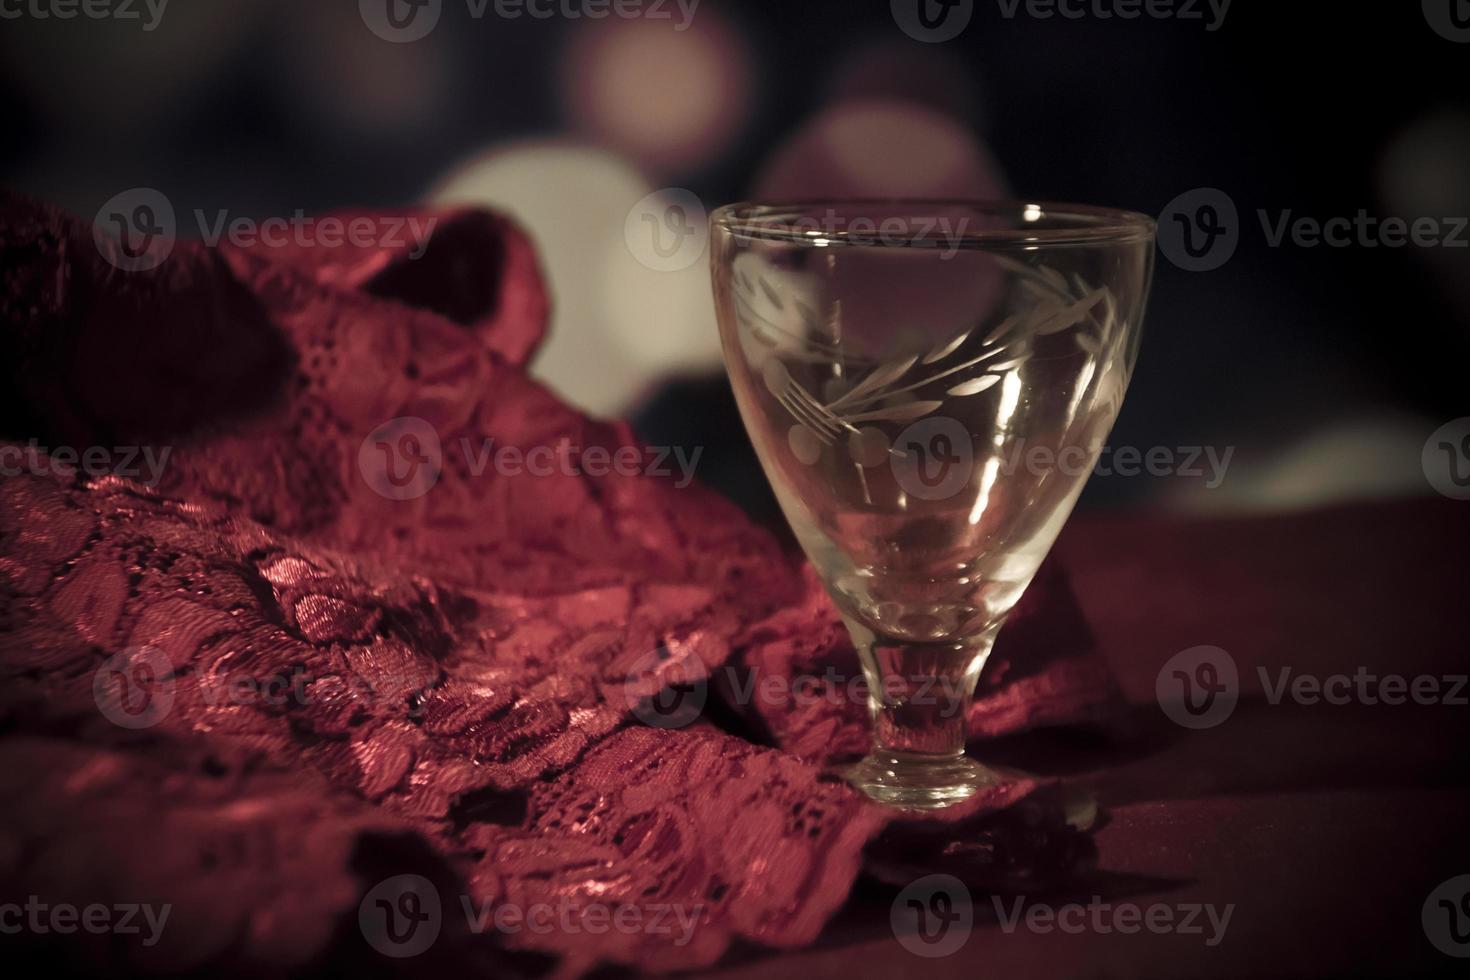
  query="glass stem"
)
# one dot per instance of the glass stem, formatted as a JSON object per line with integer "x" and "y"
{"x": 919, "y": 693}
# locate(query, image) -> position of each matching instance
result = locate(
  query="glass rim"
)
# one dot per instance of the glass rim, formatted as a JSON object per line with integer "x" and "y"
{"x": 1080, "y": 224}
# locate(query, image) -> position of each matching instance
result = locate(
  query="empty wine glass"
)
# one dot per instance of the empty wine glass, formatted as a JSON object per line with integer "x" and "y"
{"x": 928, "y": 385}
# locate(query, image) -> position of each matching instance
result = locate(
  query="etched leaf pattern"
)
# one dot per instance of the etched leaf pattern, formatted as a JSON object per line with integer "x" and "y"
{"x": 974, "y": 386}
{"x": 883, "y": 375}
{"x": 883, "y": 393}
{"x": 906, "y": 412}
{"x": 947, "y": 348}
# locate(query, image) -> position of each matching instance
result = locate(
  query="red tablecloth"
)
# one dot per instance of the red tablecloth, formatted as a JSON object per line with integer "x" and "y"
{"x": 1324, "y": 828}
{"x": 1327, "y": 826}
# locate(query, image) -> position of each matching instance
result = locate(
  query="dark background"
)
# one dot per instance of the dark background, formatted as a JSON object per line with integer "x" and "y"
{"x": 1326, "y": 369}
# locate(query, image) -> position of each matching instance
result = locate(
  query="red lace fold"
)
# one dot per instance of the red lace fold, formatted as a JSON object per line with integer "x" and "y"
{"x": 326, "y": 666}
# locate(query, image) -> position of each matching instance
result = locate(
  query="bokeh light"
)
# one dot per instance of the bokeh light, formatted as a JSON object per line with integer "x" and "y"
{"x": 880, "y": 148}
{"x": 671, "y": 100}
{"x": 351, "y": 82}
{"x": 931, "y": 77}
{"x": 617, "y": 325}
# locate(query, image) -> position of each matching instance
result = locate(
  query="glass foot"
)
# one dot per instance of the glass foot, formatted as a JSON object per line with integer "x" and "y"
{"x": 920, "y": 782}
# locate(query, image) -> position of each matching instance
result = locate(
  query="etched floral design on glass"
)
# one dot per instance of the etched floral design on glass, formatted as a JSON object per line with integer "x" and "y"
{"x": 928, "y": 386}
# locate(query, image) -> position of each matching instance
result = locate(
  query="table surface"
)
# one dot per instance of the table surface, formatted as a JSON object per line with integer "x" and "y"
{"x": 1326, "y": 826}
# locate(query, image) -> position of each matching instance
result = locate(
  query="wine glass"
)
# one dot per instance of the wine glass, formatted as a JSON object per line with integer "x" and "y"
{"x": 928, "y": 385}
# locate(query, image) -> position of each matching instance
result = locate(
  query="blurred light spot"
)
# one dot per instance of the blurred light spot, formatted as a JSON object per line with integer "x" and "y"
{"x": 108, "y": 81}
{"x": 881, "y": 149}
{"x": 1367, "y": 458}
{"x": 347, "y": 79}
{"x": 617, "y": 326}
{"x": 662, "y": 322}
{"x": 927, "y": 76}
{"x": 1425, "y": 173}
{"x": 1424, "y": 170}
{"x": 670, "y": 100}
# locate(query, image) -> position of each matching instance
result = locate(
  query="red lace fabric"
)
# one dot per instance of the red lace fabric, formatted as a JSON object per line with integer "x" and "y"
{"x": 462, "y": 672}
